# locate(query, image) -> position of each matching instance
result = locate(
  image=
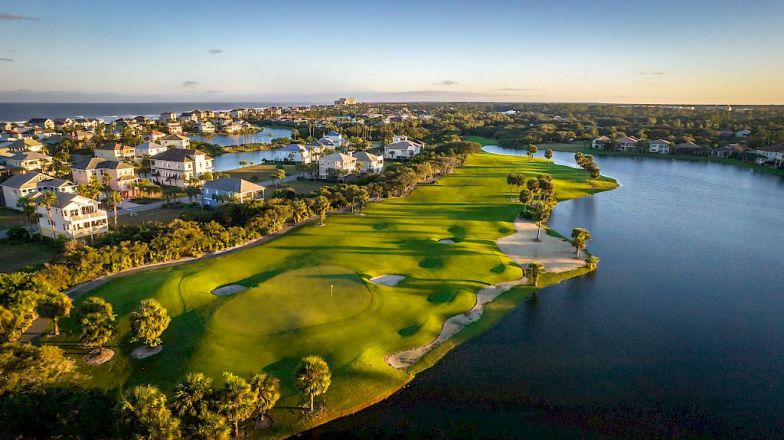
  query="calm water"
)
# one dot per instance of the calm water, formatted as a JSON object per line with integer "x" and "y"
{"x": 680, "y": 332}
{"x": 265, "y": 136}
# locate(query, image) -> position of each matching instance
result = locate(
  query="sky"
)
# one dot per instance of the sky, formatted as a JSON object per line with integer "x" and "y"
{"x": 668, "y": 51}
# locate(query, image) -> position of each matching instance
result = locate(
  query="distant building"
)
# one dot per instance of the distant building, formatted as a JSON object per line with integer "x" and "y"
{"x": 293, "y": 153}
{"x": 342, "y": 163}
{"x": 175, "y": 141}
{"x": 27, "y": 185}
{"x": 773, "y": 154}
{"x": 337, "y": 139}
{"x": 600, "y": 143}
{"x": 174, "y": 128}
{"x": 115, "y": 151}
{"x": 402, "y": 148}
{"x": 346, "y": 101}
{"x": 177, "y": 166}
{"x": 148, "y": 149}
{"x": 689, "y": 148}
{"x": 121, "y": 175}
{"x": 369, "y": 163}
{"x": 626, "y": 143}
{"x": 168, "y": 117}
{"x": 26, "y": 144}
{"x": 44, "y": 123}
{"x": 205, "y": 127}
{"x": 731, "y": 150}
{"x": 744, "y": 133}
{"x": 659, "y": 146}
{"x": 226, "y": 189}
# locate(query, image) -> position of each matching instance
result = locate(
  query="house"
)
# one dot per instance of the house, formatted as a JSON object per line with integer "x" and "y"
{"x": 175, "y": 141}
{"x": 600, "y": 143}
{"x": 115, "y": 150}
{"x": 72, "y": 216}
{"x": 293, "y": 153}
{"x": 402, "y": 148}
{"x": 168, "y": 117}
{"x": 25, "y": 160}
{"x": 689, "y": 148}
{"x": 626, "y": 143}
{"x": 153, "y": 135}
{"x": 346, "y": 101}
{"x": 225, "y": 189}
{"x": 205, "y": 127}
{"x": 731, "y": 150}
{"x": 81, "y": 135}
{"x": 177, "y": 166}
{"x": 237, "y": 113}
{"x": 174, "y": 128}
{"x": 148, "y": 149}
{"x": 44, "y": 123}
{"x": 27, "y": 185}
{"x": 26, "y": 144}
{"x": 121, "y": 175}
{"x": 659, "y": 146}
{"x": 337, "y": 139}
{"x": 88, "y": 124}
{"x": 773, "y": 154}
{"x": 342, "y": 163}
{"x": 369, "y": 163}
{"x": 744, "y": 133}
{"x": 61, "y": 123}
{"x": 188, "y": 117}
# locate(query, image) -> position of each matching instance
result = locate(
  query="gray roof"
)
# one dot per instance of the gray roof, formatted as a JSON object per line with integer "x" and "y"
{"x": 233, "y": 184}
{"x": 338, "y": 156}
{"x": 292, "y": 147}
{"x": 401, "y": 145}
{"x": 33, "y": 179}
{"x": 27, "y": 155}
{"x": 101, "y": 163}
{"x": 179, "y": 155}
{"x": 366, "y": 157}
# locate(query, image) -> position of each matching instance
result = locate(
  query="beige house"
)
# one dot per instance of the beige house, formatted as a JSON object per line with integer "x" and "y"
{"x": 115, "y": 151}
{"x": 174, "y": 128}
{"x": 177, "y": 166}
{"x": 218, "y": 191}
{"x": 342, "y": 163}
{"x": 25, "y": 160}
{"x": 168, "y": 117}
{"x": 44, "y": 123}
{"x": 26, "y": 144}
{"x": 659, "y": 146}
{"x": 27, "y": 185}
{"x": 175, "y": 141}
{"x": 121, "y": 175}
{"x": 72, "y": 216}
{"x": 369, "y": 163}
{"x": 626, "y": 143}
{"x": 402, "y": 148}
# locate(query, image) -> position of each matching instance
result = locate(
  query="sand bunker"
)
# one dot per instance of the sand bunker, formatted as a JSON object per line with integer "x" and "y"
{"x": 231, "y": 289}
{"x": 388, "y": 280}
{"x": 98, "y": 356}
{"x": 555, "y": 253}
{"x": 446, "y": 241}
{"x": 145, "y": 351}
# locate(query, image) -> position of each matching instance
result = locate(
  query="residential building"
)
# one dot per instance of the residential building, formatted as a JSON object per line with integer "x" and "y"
{"x": 72, "y": 216}
{"x": 743, "y": 133}
{"x": 346, "y": 101}
{"x": 26, "y": 144}
{"x": 293, "y": 153}
{"x": 731, "y": 150}
{"x": 225, "y": 189}
{"x": 25, "y": 160}
{"x": 148, "y": 149}
{"x": 626, "y": 143}
{"x": 153, "y": 135}
{"x": 175, "y": 141}
{"x": 600, "y": 143}
{"x": 174, "y": 128}
{"x": 659, "y": 146}
{"x": 60, "y": 123}
{"x": 168, "y": 117}
{"x": 205, "y": 127}
{"x": 115, "y": 150}
{"x": 773, "y": 154}
{"x": 188, "y": 117}
{"x": 121, "y": 175}
{"x": 238, "y": 113}
{"x": 44, "y": 123}
{"x": 336, "y": 138}
{"x": 369, "y": 163}
{"x": 177, "y": 166}
{"x": 88, "y": 124}
{"x": 342, "y": 163}
{"x": 402, "y": 148}
{"x": 81, "y": 135}
{"x": 27, "y": 185}
{"x": 689, "y": 148}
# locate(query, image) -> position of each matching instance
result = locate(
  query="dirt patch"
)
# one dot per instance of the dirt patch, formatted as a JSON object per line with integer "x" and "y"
{"x": 98, "y": 356}
{"x": 388, "y": 280}
{"x": 555, "y": 253}
{"x": 231, "y": 289}
{"x": 145, "y": 351}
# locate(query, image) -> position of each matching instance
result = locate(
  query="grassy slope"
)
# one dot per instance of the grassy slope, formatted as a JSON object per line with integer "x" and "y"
{"x": 10, "y": 218}
{"x": 288, "y": 312}
{"x": 17, "y": 256}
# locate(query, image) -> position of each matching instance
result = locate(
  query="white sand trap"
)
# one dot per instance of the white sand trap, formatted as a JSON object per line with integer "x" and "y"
{"x": 145, "y": 351}
{"x": 388, "y": 280}
{"x": 446, "y": 241}
{"x": 98, "y": 357}
{"x": 231, "y": 289}
{"x": 556, "y": 254}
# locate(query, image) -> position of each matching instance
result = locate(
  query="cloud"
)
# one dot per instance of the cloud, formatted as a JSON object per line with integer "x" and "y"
{"x": 190, "y": 83}
{"x": 515, "y": 89}
{"x": 7, "y": 16}
{"x": 658, "y": 73}
{"x": 7, "y": 60}
{"x": 214, "y": 92}
{"x": 215, "y": 51}
{"x": 446, "y": 82}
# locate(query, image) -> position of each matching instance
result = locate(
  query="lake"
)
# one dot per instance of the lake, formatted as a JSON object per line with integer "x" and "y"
{"x": 266, "y": 135}
{"x": 679, "y": 333}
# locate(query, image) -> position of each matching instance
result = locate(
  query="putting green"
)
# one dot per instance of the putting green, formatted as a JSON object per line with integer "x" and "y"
{"x": 288, "y": 312}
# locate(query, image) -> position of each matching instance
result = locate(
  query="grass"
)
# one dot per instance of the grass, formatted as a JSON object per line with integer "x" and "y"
{"x": 262, "y": 172}
{"x": 481, "y": 139}
{"x": 164, "y": 215}
{"x": 289, "y": 309}
{"x": 10, "y": 218}
{"x": 17, "y": 256}
{"x": 302, "y": 186}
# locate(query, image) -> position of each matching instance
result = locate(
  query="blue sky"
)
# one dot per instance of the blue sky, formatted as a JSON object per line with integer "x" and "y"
{"x": 711, "y": 51}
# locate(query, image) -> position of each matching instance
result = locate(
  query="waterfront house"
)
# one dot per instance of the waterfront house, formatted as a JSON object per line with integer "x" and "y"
{"x": 44, "y": 123}
{"x": 689, "y": 148}
{"x": 731, "y": 150}
{"x": 86, "y": 123}
{"x": 205, "y": 127}
{"x": 25, "y": 161}
{"x": 25, "y": 144}
{"x": 342, "y": 163}
{"x": 188, "y": 117}
{"x": 121, "y": 175}
{"x": 174, "y": 128}
{"x": 177, "y": 166}
{"x": 226, "y": 189}
{"x": 337, "y": 139}
{"x": 369, "y": 163}
{"x": 115, "y": 151}
{"x": 772, "y": 154}
{"x": 626, "y": 143}
{"x": 27, "y": 185}
{"x": 175, "y": 141}
{"x": 600, "y": 143}
{"x": 293, "y": 153}
{"x": 148, "y": 149}
{"x": 238, "y": 113}
{"x": 659, "y": 146}
{"x": 60, "y": 123}
{"x": 402, "y": 148}
{"x": 72, "y": 216}
{"x": 168, "y": 117}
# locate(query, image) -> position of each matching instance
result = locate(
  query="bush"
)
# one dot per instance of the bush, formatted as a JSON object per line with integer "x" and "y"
{"x": 17, "y": 233}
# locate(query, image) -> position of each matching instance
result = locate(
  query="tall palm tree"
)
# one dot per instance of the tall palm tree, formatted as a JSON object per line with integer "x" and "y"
{"x": 48, "y": 199}
{"x": 28, "y": 209}
{"x": 145, "y": 413}
{"x": 236, "y": 400}
{"x": 534, "y": 271}
{"x": 579, "y": 237}
{"x": 192, "y": 396}
{"x": 114, "y": 199}
{"x": 542, "y": 210}
{"x": 280, "y": 174}
{"x": 267, "y": 389}
{"x": 314, "y": 378}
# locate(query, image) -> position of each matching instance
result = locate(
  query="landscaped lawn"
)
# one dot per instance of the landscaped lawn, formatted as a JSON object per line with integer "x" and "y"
{"x": 17, "y": 256}
{"x": 290, "y": 310}
{"x": 262, "y": 172}
{"x": 303, "y": 186}
{"x": 10, "y": 218}
{"x": 481, "y": 139}
{"x": 164, "y": 215}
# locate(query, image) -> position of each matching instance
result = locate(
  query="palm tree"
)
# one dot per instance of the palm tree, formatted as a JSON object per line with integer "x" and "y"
{"x": 548, "y": 154}
{"x": 542, "y": 210}
{"x": 54, "y": 306}
{"x": 236, "y": 400}
{"x": 28, "y": 209}
{"x": 533, "y": 271}
{"x": 192, "y": 396}
{"x": 280, "y": 174}
{"x": 48, "y": 199}
{"x": 592, "y": 262}
{"x": 267, "y": 389}
{"x": 579, "y": 237}
{"x": 314, "y": 378}
{"x": 114, "y": 199}
{"x": 145, "y": 413}
{"x": 532, "y": 149}
{"x": 321, "y": 206}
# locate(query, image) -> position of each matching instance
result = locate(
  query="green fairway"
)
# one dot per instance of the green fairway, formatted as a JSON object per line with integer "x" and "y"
{"x": 308, "y": 292}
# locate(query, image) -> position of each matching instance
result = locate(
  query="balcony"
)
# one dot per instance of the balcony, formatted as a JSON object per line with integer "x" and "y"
{"x": 97, "y": 215}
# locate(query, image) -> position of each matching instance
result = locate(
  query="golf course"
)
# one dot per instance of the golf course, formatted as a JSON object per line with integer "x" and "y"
{"x": 309, "y": 292}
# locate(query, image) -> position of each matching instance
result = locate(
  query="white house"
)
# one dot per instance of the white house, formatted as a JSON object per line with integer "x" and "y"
{"x": 369, "y": 163}
{"x": 744, "y": 133}
{"x": 237, "y": 113}
{"x": 27, "y": 185}
{"x": 41, "y": 123}
{"x": 175, "y": 141}
{"x": 174, "y": 128}
{"x": 205, "y": 127}
{"x": 337, "y": 139}
{"x": 659, "y": 146}
{"x": 121, "y": 175}
{"x": 600, "y": 143}
{"x": 26, "y": 144}
{"x": 72, "y": 216}
{"x": 148, "y": 149}
{"x": 168, "y": 117}
{"x": 215, "y": 192}
{"x": 177, "y": 166}
{"x": 402, "y": 148}
{"x": 115, "y": 151}
{"x": 25, "y": 160}
{"x": 626, "y": 143}
{"x": 342, "y": 163}
{"x": 771, "y": 154}
{"x": 293, "y": 153}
